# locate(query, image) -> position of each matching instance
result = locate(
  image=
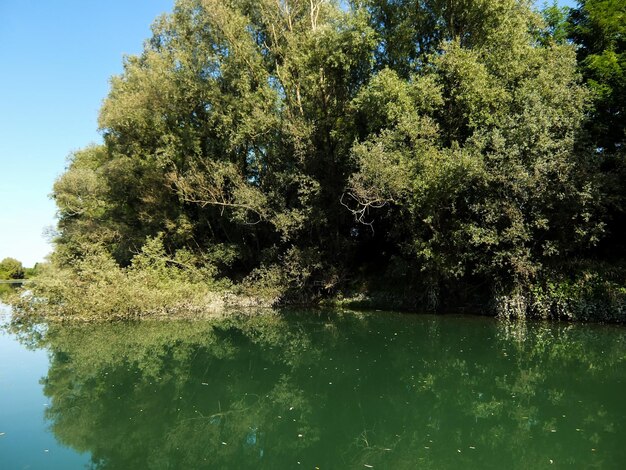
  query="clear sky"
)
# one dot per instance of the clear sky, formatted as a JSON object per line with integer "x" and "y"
{"x": 56, "y": 58}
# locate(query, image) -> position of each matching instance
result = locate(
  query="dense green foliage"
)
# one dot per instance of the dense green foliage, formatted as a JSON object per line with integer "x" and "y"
{"x": 10, "y": 268}
{"x": 598, "y": 27}
{"x": 307, "y": 147}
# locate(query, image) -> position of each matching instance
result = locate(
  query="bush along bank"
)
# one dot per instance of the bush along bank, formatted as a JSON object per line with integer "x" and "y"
{"x": 158, "y": 286}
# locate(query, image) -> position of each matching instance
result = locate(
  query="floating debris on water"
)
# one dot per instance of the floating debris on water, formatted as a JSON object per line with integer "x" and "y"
{"x": 215, "y": 420}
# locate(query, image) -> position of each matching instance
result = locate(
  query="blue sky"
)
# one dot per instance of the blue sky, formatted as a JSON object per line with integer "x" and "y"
{"x": 56, "y": 58}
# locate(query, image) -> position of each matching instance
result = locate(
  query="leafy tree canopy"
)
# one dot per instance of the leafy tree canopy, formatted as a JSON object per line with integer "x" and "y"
{"x": 598, "y": 27}
{"x": 303, "y": 140}
{"x": 11, "y": 268}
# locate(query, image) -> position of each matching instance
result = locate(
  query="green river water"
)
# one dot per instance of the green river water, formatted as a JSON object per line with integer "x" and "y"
{"x": 327, "y": 390}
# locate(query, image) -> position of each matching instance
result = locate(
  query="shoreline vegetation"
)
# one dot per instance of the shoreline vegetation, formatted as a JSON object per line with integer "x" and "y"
{"x": 419, "y": 156}
{"x": 151, "y": 288}
{"x": 12, "y": 273}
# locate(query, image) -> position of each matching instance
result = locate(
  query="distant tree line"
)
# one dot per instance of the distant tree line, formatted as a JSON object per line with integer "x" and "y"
{"x": 10, "y": 268}
{"x": 449, "y": 152}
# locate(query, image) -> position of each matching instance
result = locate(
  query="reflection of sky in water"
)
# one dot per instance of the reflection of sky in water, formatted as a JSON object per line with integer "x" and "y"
{"x": 26, "y": 442}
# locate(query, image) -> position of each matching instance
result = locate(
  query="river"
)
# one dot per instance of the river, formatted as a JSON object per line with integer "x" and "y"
{"x": 309, "y": 389}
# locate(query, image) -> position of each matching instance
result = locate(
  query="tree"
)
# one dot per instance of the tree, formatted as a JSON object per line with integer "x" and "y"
{"x": 410, "y": 31}
{"x": 311, "y": 138}
{"x": 11, "y": 268}
{"x": 598, "y": 27}
{"x": 228, "y": 129}
{"x": 556, "y": 23}
{"x": 473, "y": 162}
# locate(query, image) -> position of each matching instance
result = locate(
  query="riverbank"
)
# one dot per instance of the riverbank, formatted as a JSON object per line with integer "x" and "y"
{"x": 155, "y": 285}
{"x": 105, "y": 292}
{"x": 590, "y": 295}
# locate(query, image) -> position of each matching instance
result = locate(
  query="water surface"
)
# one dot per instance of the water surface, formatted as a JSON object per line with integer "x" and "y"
{"x": 330, "y": 390}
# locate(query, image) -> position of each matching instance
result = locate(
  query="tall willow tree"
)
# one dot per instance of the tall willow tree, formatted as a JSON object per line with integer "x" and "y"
{"x": 317, "y": 137}
{"x": 228, "y": 130}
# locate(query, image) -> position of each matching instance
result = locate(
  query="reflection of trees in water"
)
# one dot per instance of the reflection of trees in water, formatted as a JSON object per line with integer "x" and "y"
{"x": 173, "y": 395}
{"x": 391, "y": 392}
{"x": 7, "y": 289}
